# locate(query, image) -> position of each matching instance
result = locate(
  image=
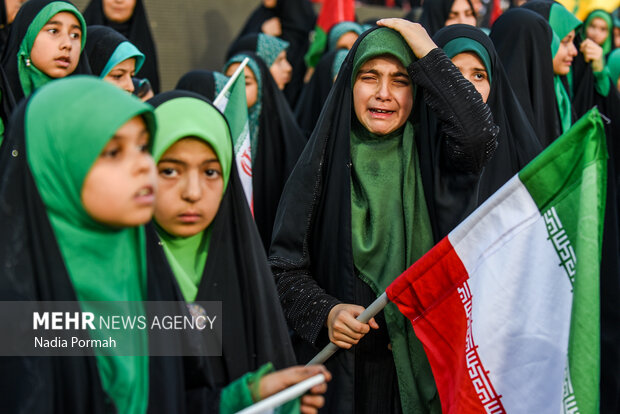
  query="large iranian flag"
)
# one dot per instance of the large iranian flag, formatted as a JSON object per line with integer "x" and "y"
{"x": 507, "y": 305}
{"x": 332, "y": 12}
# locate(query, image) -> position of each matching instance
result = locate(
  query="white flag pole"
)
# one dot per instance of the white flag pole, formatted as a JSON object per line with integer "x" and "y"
{"x": 230, "y": 82}
{"x": 331, "y": 348}
{"x": 284, "y": 396}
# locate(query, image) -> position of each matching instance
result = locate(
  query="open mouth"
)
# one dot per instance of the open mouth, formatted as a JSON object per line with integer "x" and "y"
{"x": 63, "y": 61}
{"x": 380, "y": 113}
{"x": 146, "y": 195}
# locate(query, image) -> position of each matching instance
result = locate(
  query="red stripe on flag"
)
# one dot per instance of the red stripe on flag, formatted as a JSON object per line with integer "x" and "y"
{"x": 433, "y": 293}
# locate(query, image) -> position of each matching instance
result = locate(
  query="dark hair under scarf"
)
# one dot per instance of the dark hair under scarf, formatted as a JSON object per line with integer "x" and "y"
{"x": 517, "y": 142}
{"x": 436, "y": 12}
{"x": 13, "y": 63}
{"x": 522, "y": 39}
{"x": 137, "y": 30}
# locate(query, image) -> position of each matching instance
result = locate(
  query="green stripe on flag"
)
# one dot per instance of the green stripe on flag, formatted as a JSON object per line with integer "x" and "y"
{"x": 237, "y": 111}
{"x": 568, "y": 184}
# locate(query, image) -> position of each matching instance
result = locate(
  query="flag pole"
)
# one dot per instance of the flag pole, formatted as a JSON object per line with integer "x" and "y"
{"x": 372, "y": 309}
{"x": 230, "y": 82}
{"x": 284, "y": 396}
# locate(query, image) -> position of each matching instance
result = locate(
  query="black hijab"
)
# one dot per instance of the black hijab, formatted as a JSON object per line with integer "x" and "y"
{"x": 201, "y": 81}
{"x": 297, "y": 18}
{"x": 280, "y": 142}
{"x": 34, "y": 270}
{"x": 237, "y": 274}
{"x": 312, "y": 241}
{"x": 316, "y": 91}
{"x": 137, "y": 30}
{"x": 24, "y": 18}
{"x": 4, "y": 27}
{"x": 435, "y": 13}
{"x": 522, "y": 39}
{"x": 517, "y": 142}
{"x": 101, "y": 43}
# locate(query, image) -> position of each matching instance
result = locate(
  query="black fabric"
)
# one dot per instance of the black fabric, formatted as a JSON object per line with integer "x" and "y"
{"x": 517, "y": 142}
{"x": 280, "y": 142}
{"x": 101, "y": 43}
{"x": 522, "y": 39}
{"x": 297, "y": 19}
{"x": 311, "y": 253}
{"x": 137, "y": 30}
{"x": 200, "y": 81}
{"x": 26, "y": 14}
{"x": 246, "y": 43}
{"x": 435, "y": 13}
{"x": 237, "y": 274}
{"x": 315, "y": 94}
{"x": 5, "y": 27}
{"x": 33, "y": 270}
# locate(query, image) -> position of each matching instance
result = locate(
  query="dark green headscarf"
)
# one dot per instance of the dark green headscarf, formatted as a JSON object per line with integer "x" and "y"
{"x": 30, "y": 77}
{"x": 389, "y": 220}
{"x": 613, "y": 66}
{"x": 104, "y": 263}
{"x": 179, "y": 118}
{"x": 465, "y": 44}
{"x": 601, "y": 14}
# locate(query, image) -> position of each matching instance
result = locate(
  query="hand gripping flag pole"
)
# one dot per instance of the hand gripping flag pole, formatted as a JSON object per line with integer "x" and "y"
{"x": 331, "y": 348}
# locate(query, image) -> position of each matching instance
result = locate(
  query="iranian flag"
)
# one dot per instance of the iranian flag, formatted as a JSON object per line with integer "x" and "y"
{"x": 507, "y": 305}
{"x": 232, "y": 102}
{"x": 332, "y": 12}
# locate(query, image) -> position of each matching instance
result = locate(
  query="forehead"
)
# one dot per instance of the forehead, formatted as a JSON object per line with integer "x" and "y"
{"x": 64, "y": 17}
{"x": 193, "y": 146}
{"x": 598, "y": 21}
{"x": 460, "y": 5}
{"x": 468, "y": 59}
{"x": 386, "y": 63}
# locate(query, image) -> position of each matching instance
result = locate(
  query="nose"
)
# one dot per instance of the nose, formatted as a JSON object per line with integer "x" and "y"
{"x": 287, "y": 66}
{"x": 572, "y": 50}
{"x": 127, "y": 83}
{"x": 66, "y": 42}
{"x": 191, "y": 190}
{"x": 383, "y": 90}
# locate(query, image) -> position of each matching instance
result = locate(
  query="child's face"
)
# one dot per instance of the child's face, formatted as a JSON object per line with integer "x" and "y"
{"x": 121, "y": 75}
{"x": 56, "y": 49}
{"x": 190, "y": 187}
{"x": 119, "y": 189}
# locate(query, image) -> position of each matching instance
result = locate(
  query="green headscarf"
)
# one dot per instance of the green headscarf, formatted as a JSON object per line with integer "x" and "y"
{"x": 601, "y": 14}
{"x": 613, "y": 66}
{"x": 336, "y": 32}
{"x": 390, "y": 223}
{"x": 190, "y": 117}
{"x": 562, "y": 21}
{"x": 255, "y": 110}
{"x": 269, "y": 47}
{"x": 67, "y": 124}
{"x": 465, "y": 44}
{"x": 30, "y": 77}
{"x": 124, "y": 51}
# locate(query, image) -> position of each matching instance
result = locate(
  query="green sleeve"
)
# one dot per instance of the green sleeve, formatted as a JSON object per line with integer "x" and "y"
{"x": 601, "y": 82}
{"x": 244, "y": 392}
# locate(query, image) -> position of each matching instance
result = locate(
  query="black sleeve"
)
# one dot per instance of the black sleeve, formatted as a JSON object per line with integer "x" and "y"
{"x": 469, "y": 132}
{"x": 304, "y": 302}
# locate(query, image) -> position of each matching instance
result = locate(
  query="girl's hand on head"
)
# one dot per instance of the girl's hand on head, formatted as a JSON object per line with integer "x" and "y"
{"x": 414, "y": 34}
{"x": 593, "y": 54}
